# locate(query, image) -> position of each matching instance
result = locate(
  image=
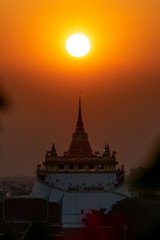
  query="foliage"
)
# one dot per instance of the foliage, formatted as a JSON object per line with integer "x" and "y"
{"x": 141, "y": 216}
{"x": 4, "y": 102}
{"x": 149, "y": 181}
{"x": 95, "y": 218}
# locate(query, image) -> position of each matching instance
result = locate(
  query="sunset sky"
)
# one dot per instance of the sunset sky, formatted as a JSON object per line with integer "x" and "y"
{"x": 119, "y": 78}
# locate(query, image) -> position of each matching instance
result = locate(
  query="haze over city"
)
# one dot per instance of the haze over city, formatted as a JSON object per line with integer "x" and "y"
{"x": 118, "y": 79}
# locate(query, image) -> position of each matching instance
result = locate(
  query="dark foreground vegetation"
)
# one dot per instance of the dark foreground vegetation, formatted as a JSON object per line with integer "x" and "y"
{"x": 129, "y": 219}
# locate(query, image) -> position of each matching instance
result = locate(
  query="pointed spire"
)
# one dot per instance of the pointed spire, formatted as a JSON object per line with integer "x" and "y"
{"x": 53, "y": 147}
{"x": 79, "y": 126}
{"x": 80, "y": 146}
{"x": 53, "y": 151}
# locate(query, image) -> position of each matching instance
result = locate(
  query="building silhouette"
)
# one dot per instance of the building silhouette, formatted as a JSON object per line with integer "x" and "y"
{"x": 81, "y": 179}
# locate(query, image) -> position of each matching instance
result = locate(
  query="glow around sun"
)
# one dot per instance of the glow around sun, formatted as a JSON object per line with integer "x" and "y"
{"x": 78, "y": 45}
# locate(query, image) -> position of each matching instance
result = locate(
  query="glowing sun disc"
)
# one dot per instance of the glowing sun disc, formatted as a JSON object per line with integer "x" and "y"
{"x": 78, "y": 45}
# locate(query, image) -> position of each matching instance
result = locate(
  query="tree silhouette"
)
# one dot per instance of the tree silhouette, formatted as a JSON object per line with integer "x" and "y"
{"x": 95, "y": 218}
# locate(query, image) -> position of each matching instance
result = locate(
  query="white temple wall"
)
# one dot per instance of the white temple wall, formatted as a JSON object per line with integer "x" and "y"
{"x": 75, "y": 203}
{"x": 40, "y": 190}
{"x": 107, "y": 180}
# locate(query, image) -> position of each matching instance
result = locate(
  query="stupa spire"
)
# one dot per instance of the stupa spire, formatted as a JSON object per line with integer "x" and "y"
{"x": 79, "y": 126}
{"x": 80, "y": 146}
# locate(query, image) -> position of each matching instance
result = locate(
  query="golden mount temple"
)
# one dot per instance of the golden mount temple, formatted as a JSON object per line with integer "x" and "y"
{"x": 80, "y": 180}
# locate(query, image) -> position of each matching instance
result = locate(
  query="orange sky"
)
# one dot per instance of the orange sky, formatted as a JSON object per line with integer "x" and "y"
{"x": 119, "y": 78}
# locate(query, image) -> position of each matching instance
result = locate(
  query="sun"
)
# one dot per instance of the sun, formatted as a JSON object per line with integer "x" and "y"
{"x": 78, "y": 45}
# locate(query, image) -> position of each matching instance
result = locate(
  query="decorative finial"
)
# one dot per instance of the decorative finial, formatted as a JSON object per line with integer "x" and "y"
{"x": 106, "y": 150}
